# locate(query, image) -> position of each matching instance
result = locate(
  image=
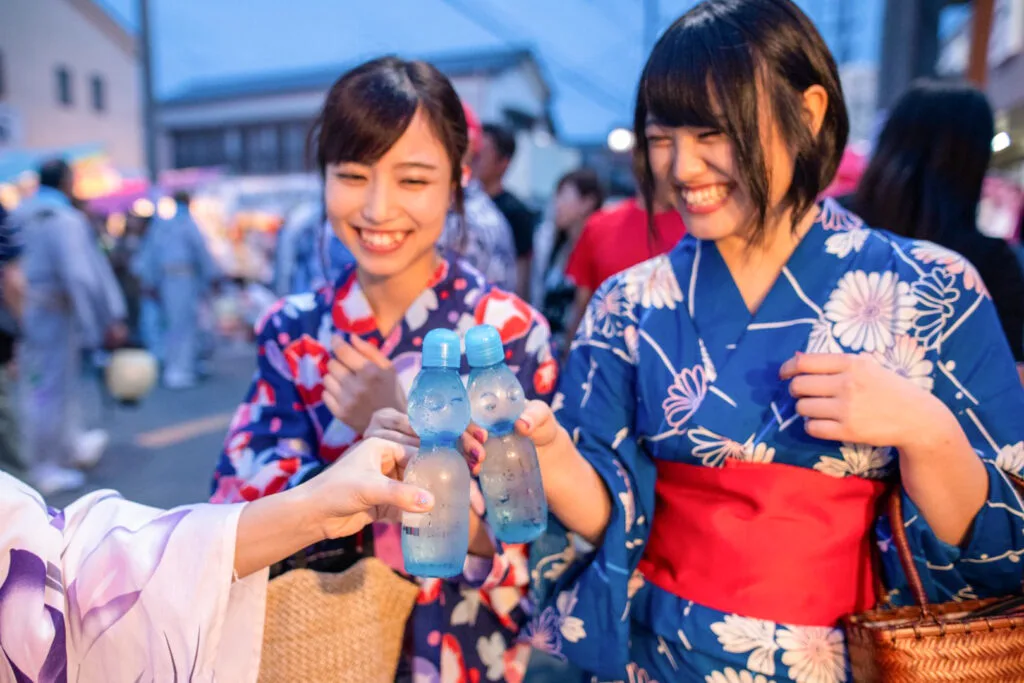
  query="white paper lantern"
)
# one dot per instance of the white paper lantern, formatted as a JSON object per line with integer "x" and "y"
{"x": 131, "y": 374}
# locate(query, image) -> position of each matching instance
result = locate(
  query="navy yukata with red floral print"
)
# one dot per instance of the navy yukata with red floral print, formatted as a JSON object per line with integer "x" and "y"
{"x": 463, "y": 629}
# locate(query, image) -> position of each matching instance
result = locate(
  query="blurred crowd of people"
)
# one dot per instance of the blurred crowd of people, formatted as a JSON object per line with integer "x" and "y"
{"x": 775, "y": 309}
{"x": 69, "y": 303}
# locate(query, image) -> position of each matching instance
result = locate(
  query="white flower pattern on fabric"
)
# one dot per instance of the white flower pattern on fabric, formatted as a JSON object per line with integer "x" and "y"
{"x": 711, "y": 448}
{"x": 1011, "y": 459}
{"x": 685, "y": 396}
{"x": 636, "y": 674}
{"x": 859, "y": 460}
{"x": 834, "y": 217}
{"x": 609, "y": 311}
{"x": 820, "y": 340}
{"x": 843, "y": 243}
{"x": 652, "y": 284}
{"x": 760, "y": 452}
{"x": 730, "y": 675}
{"x": 743, "y": 634}
{"x": 907, "y": 359}
{"x": 419, "y": 312}
{"x": 870, "y": 309}
{"x": 935, "y": 295}
{"x": 492, "y": 654}
{"x": 571, "y": 627}
{"x": 814, "y": 654}
{"x": 927, "y": 252}
{"x": 468, "y": 608}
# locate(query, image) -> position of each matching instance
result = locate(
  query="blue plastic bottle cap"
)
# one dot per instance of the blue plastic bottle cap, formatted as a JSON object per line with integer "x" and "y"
{"x": 441, "y": 349}
{"x": 484, "y": 347}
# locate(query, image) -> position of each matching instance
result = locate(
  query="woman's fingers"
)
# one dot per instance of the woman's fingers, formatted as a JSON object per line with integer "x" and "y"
{"x": 381, "y": 491}
{"x": 538, "y": 423}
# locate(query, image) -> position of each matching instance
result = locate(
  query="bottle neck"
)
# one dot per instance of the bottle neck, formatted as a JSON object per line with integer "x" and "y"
{"x": 438, "y": 442}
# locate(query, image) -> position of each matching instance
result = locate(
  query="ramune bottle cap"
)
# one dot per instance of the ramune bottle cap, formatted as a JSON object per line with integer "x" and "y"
{"x": 484, "y": 347}
{"x": 441, "y": 349}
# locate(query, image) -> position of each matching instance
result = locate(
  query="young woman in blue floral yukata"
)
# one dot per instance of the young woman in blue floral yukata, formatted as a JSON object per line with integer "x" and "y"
{"x": 733, "y": 411}
{"x": 335, "y": 366}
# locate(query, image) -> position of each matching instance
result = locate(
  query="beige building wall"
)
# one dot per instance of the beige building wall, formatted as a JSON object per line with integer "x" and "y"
{"x": 39, "y": 36}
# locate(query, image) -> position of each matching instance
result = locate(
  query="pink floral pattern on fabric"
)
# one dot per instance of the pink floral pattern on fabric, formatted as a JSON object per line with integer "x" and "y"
{"x": 283, "y": 433}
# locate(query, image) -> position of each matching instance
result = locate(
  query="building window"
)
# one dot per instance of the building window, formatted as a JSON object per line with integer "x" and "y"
{"x": 293, "y": 146}
{"x": 99, "y": 94}
{"x": 199, "y": 148}
{"x": 64, "y": 95}
{"x": 260, "y": 149}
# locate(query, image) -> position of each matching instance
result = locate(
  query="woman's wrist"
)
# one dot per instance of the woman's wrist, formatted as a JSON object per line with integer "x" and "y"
{"x": 275, "y": 527}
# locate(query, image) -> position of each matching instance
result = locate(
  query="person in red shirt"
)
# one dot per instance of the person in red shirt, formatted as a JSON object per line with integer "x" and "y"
{"x": 615, "y": 239}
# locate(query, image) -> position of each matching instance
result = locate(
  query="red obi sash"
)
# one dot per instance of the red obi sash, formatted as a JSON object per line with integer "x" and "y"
{"x": 768, "y": 541}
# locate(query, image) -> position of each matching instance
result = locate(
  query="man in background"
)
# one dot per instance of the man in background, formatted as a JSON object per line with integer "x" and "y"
{"x": 12, "y": 297}
{"x": 72, "y": 308}
{"x": 618, "y": 238}
{"x": 497, "y": 148}
{"x": 175, "y": 263}
{"x": 481, "y": 236}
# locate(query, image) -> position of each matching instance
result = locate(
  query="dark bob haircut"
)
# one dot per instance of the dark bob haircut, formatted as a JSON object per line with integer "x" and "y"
{"x": 54, "y": 173}
{"x": 369, "y": 108}
{"x": 925, "y": 178}
{"x": 586, "y": 182}
{"x": 716, "y": 64}
{"x": 503, "y": 139}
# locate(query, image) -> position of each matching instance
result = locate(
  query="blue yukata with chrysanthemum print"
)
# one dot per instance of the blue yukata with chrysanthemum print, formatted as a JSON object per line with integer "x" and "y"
{"x": 669, "y": 364}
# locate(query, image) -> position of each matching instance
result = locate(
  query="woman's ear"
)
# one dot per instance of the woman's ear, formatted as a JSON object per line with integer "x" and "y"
{"x": 815, "y": 105}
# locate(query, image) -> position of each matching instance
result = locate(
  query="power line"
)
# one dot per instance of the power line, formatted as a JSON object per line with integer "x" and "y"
{"x": 596, "y": 91}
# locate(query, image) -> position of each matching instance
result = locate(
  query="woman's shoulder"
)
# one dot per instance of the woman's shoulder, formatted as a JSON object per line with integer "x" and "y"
{"x": 295, "y": 314}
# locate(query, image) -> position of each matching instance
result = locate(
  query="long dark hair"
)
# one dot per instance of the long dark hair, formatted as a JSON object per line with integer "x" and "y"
{"x": 708, "y": 69}
{"x": 925, "y": 178}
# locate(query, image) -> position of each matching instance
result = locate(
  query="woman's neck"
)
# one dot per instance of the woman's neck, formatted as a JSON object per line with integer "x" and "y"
{"x": 754, "y": 268}
{"x": 390, "y": 297}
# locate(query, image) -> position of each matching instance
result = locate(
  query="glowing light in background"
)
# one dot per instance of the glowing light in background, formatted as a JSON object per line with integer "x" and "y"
{"x": 166, "y": 208}
{"x": 620, "y": 140}
{"x": 116, "y": 224}
{"x": 1001, "y": 141}
{"x": 143, "y": 207}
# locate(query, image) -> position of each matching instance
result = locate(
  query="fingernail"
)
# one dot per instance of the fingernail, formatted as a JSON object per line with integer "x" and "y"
{"x": 424, "y": 499}
{"x": 477, "y": 453}
{"x": 526, "y": 423}
{"x": 479, "y": 434}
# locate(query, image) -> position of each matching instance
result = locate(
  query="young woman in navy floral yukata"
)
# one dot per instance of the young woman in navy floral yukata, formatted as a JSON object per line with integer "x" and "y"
{"x": 335, "y": 365}
{"x": 733, "y": 412}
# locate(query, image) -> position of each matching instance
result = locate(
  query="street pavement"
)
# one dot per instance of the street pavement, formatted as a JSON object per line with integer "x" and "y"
{"x": 163, "y": 451}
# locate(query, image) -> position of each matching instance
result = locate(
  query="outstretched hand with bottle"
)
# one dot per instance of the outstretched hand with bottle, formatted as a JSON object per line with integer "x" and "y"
{"x": 575, "y": 492}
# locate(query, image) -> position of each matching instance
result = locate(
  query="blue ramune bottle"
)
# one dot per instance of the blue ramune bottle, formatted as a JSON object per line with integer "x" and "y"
{"x": 435, "y": 543}
{"x": 510, "y": 475}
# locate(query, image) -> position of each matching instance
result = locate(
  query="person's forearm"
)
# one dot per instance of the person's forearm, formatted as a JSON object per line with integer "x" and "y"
{"x": 577, "y": 495}
{"x": 944, "y": 476}
{"x": 480, "y": 543}
{"x": 523, "y": 277}
{"x": 13, "y": 288}
{"x": 273, "y": 528}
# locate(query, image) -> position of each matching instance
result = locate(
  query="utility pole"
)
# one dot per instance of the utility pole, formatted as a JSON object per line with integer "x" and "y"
{"x": 652, "y": 21}
{"x": 148, "y": 101}
{"x": 981, "y": 29}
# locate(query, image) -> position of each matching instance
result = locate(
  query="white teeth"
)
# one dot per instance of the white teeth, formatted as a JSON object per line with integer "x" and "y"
{"x": 706, "y": 196}
{"x": 383, "y": 240}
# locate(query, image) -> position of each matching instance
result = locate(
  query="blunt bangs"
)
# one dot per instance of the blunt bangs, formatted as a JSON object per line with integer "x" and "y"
{"x": 713, "y": 68}
{"x": 370, "y": 107}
